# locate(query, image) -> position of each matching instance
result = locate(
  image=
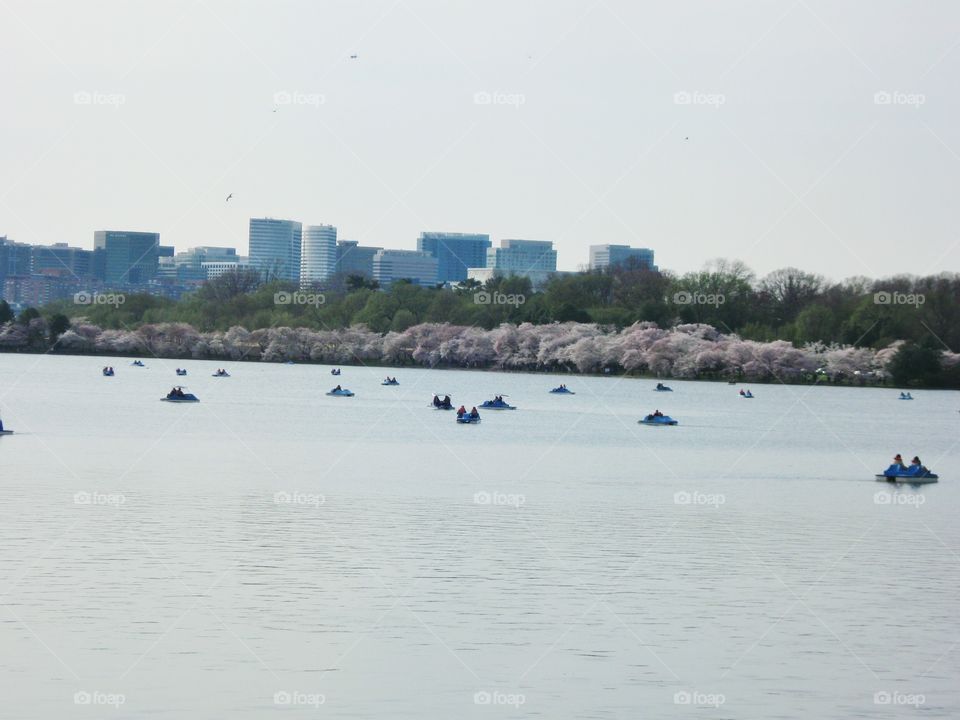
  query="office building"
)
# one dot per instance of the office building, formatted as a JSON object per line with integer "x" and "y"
{"x": 189, "y": 263}
{"x": 215, "y": 269}
{"x": 414, "y": 265}
{"x": 533, "y": 259}
{"x": 275, "y": 247}
{"x": 15, "y": 258}
{"x": 455, "y": 253}
{"x": 603, "y": 256}
{"x": 522, "y": 257}
{"x": 318, "y": 257}
{"x": 129, "y": 258}
{"x": 355, "y": 259}
{"x": 61, "y": 260}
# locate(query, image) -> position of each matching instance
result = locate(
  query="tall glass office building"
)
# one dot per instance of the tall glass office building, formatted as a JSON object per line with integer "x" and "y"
{"x": 318, "y": 257}
{"x": 418, "y": 267}
{"x": 455, "y": 252}
{"x": 61, "y": 260}
{"x": 522, "y": 257}
{"x": 355, "y": 259}
{"x": 602, "y": 256}
{"x": 129, "y": 258}
{"x": 275, "y": 248}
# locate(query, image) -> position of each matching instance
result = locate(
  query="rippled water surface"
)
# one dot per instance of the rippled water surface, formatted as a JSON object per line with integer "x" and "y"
{"x": 271, "y": 549}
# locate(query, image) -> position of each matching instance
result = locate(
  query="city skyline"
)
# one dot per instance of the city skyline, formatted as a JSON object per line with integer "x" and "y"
{"x": 781, "y": 136}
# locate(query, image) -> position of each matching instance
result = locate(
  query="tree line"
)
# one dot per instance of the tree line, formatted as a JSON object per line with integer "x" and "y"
{"x": 921, "y": 314}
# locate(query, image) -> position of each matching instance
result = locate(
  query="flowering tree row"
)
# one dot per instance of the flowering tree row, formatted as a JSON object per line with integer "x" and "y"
{"x": 685, "y": 351}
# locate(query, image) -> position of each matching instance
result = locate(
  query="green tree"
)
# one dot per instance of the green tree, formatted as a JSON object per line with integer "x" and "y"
{"x": 27, "y": 315}
{"x": 57, "y": 325}
{"x": 402, "y": 320}
{"x": 916, "y": 364}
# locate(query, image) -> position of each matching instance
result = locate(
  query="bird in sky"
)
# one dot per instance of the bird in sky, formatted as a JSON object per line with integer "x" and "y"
{"x": 228, "y": 197}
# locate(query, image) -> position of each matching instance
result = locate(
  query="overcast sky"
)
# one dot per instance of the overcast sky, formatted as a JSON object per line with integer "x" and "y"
{"x": 750, "y": 130}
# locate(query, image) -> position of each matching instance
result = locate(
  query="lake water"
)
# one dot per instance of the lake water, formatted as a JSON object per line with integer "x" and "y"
{"x": 271, "y": 548}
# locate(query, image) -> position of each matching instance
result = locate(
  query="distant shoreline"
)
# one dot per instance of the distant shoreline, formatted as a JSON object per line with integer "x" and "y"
{"x": 643, "y": 350}
{"x": 511, "y": 371}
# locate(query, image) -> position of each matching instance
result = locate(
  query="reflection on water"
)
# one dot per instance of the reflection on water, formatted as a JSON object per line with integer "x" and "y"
{"x": 274, "y": 548}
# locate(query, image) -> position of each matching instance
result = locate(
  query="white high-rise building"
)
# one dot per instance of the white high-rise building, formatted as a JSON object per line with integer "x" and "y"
{"x": 318, "y": 256}
{"x": 275, "y": 248}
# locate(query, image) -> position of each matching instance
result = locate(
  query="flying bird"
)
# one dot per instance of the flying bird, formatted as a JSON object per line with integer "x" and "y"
{"x": 228, "y": 197}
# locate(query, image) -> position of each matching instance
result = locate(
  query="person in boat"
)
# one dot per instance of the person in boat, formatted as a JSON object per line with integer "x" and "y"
{"x": 461, "y": 411}
{"x": 659, "y": 386}
{"x": 917, "y": 467}
{"x": 897, "y": 468}
{"x": 474, "y": 414}
{"x": 337, "y": 388}
{"x": 436, "y": 401}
